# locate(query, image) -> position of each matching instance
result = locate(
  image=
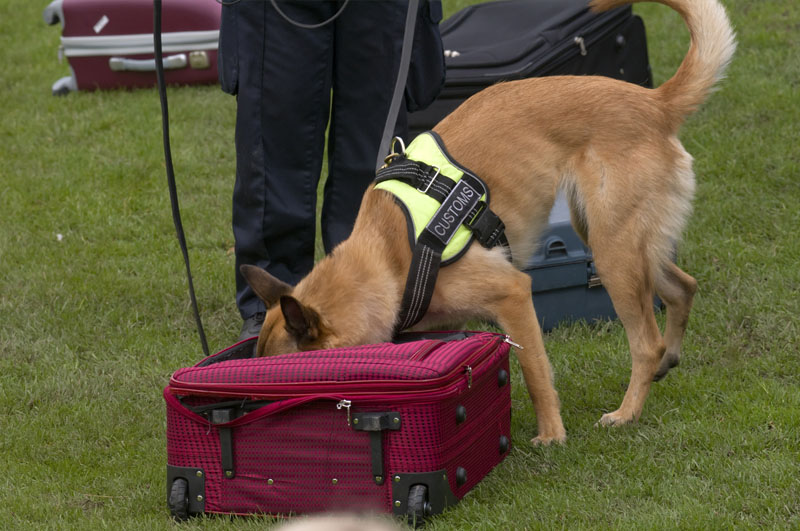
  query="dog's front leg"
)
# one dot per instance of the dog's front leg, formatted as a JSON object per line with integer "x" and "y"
{"x": 515, "y": 314}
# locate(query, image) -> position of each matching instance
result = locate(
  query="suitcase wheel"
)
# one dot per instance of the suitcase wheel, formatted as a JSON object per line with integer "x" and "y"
{"x": 178, "y": 500}
{"x": 418, "y": 506}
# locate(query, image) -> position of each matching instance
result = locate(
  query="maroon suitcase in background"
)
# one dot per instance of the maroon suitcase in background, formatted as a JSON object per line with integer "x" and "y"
{"x": 109, "y": 44}
{"x": 407, "y": 428}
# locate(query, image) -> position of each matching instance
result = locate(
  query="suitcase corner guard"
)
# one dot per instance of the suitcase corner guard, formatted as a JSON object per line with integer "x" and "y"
{"x": 186, "y": 488}
{"x": 437, "y": 493}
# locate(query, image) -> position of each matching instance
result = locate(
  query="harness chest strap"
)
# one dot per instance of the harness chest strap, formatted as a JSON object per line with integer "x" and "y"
{"x": 461, "y": 214}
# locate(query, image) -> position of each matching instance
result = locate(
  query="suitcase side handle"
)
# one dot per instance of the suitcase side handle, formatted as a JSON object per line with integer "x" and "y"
{"x": 172, "y": 62}
{"x": 555, "y": 247}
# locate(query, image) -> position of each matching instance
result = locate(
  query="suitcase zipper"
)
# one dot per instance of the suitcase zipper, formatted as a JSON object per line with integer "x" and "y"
{"x": 423, "y": 352}
{"x": 346, "y": 405}
{"x": 594, "y": 33}
{"x": 515, "y": 345}
{"x": 385, "y": 387}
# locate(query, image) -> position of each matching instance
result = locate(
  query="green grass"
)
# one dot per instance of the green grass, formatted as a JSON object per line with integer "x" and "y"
{"x": 92, "y": 325}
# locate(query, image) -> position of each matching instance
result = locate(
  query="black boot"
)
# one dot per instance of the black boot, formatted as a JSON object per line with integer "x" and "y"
{"x": 251, "y": 326}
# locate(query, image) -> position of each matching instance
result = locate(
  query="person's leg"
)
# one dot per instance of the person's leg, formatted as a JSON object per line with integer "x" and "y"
{"x": 368, "y": 43}
{"x": 282, "y": 112}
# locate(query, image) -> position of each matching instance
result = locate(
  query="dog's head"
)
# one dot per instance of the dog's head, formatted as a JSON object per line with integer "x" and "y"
{"x": 289, "y": 326}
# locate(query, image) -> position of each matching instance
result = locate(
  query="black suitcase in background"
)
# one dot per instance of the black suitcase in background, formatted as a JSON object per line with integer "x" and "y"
{"x": 515, "y": 39}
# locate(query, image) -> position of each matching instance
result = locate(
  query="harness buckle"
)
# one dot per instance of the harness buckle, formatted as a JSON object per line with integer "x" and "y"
{"x": 487, "y": 227}
{"x": 471, "y": 222}
{"x": 430, "y": 182}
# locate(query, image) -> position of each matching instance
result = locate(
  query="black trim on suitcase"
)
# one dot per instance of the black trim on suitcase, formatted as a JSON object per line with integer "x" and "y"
{"x": 440, "y": 495}
{"x": 194, "y": 501}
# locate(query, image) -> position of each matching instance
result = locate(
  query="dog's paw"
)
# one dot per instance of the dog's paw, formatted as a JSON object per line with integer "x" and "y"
{"x": 615, "y": 418}
{"x": 547, "y": 440}
{"x": 669, "y": 361}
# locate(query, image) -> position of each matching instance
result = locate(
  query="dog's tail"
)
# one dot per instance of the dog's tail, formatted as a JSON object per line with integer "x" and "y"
{"x": 712, "y": 45}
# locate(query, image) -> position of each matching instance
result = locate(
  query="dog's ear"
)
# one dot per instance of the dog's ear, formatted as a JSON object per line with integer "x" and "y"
{"x": 268, "y": 288}
{"x": 302, "y": 322}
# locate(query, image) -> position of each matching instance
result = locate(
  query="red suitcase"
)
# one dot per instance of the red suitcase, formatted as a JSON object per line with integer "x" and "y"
{"x": 406, "y": 427}
{"x": 110, "y": 44}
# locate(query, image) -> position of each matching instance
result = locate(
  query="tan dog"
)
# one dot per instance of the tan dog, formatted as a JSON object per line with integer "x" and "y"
{"x": 612, "y": 146}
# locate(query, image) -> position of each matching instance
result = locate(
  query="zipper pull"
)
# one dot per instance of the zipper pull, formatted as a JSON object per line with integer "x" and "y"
{"x": 469, "y": 377}
{"x": 515, "y": 345}
{"x": 580, "y": 42}
{"x": 345, "y": 404}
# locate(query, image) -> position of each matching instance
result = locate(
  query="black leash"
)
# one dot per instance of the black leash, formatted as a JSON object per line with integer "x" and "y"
{"x": 173, "y": 191}
{"x": 400, "y": 84}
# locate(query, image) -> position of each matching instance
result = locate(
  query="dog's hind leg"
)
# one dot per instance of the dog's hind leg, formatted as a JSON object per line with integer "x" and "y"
{"x": 625, "y": 274}
{"x": 676, "y": 288}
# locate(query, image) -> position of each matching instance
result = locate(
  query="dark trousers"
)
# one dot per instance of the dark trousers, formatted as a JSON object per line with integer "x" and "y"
{"x": 290, "y": 83}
